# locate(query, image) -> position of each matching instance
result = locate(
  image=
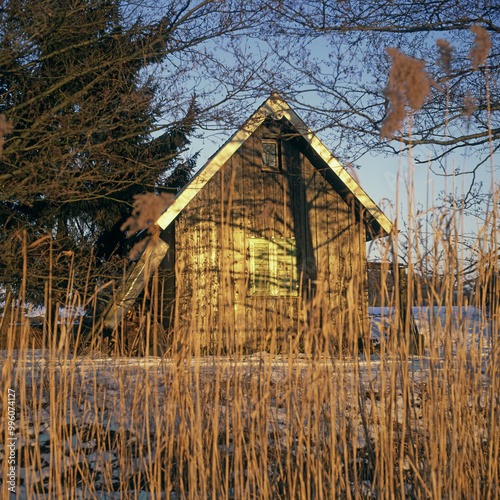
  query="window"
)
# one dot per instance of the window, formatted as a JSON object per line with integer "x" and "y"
{"x": 270, "y": 156}
{"x": 273, "y": 267}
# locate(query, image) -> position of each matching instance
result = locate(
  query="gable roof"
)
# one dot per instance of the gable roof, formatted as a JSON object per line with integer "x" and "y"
{"x": 276, "y": 107}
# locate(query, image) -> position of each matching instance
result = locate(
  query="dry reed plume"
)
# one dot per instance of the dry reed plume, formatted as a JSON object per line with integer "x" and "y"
{"x": 408, "y": 83}
{"x": 147, "y": 208}
{"x": 445, "y": 51}
{"x": 481, "y": 47}
{"x": 470, "y": 104}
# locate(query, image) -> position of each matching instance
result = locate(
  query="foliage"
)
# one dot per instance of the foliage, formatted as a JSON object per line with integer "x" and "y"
{"x": 95, "y": 120}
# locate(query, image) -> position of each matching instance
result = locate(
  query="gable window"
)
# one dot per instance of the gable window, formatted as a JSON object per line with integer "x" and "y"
{"x": 273, "y": 267}
{"x": 270, "y": 156}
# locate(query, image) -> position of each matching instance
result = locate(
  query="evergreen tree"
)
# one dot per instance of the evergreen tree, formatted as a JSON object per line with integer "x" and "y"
{"x": 78, "y": 84}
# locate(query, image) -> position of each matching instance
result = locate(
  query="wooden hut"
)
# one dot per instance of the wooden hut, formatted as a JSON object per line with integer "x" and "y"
{"x": 270, "y": 233}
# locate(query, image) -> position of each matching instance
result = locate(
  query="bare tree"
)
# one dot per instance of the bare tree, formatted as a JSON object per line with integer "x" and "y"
{"x": 332, "y": 59}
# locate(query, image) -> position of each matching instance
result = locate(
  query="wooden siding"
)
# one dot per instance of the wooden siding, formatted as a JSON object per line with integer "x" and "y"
{"x": 240, "y": 202}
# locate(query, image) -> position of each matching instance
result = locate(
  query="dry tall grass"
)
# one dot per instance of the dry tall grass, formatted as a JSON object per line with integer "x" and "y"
{"x": 300, "y": 424}
{"x": 303, "y": 421}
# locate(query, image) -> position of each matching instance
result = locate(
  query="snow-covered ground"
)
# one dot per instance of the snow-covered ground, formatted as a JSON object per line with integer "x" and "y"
{"x": 104, "y": 392}
{"x": 455, "y": 326}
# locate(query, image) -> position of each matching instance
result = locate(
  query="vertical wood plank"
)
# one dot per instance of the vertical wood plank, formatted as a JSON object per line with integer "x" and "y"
{"x": 168, "y": 282}
{"x": 249, "y": 217}
{"x": 203, "y": 280}
{"x": 260, "y": 230}
{"x": 311, "y": 223}
{"x": 239, "y": 249}
{"x": 354, "y": 255}
{"x": 292, "y": 221}
{"x": 333, "y": 250}
{"x": 345, "y": 272}
{"x": 325, "y": 201}
{"x": 363, "y": 277}
{"x": 227, "y": 293}
{"x": 215, "y": 258}
{"x": 303, "y": 231}
{"x": 198, "y": 292}
{"x": 178, "y": 274}
{"x": 186, "y": 267}
{"x": 321, "y": 213}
